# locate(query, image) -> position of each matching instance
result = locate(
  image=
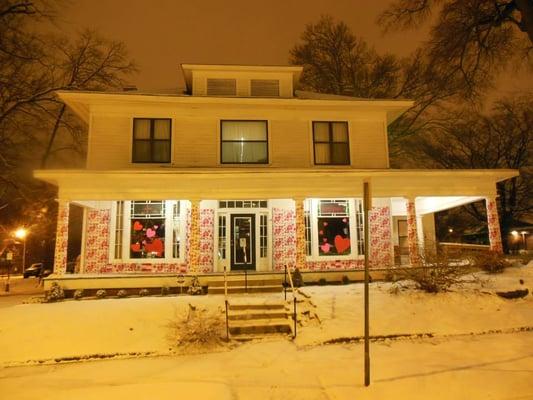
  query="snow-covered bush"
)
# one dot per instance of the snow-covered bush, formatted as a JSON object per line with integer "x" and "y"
{"x": 122, "y": 293}
{"x": 165, "y": 290}
{"x": 195, "y": 287}
{"x": 491, "y": 262}
{"x": 201, "y": 329}
{"x": 78, "y": 294}
{"x": 144, "y": 292}
{"x": 101, "y": 293}
{"x": 55, "y": 293}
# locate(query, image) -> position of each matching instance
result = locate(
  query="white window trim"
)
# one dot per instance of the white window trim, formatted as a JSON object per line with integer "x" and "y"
{"x": 312, "y": 206}
{"x": 168, "y": 235}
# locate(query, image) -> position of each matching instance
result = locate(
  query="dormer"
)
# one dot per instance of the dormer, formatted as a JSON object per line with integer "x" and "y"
{"x": 241, "y": 80}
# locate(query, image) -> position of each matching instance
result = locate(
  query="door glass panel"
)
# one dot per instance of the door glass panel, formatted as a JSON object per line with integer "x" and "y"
{"x": 242, "y": 241}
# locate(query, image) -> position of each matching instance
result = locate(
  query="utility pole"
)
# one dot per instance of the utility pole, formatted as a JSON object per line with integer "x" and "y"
{"x": 367, "y": 205}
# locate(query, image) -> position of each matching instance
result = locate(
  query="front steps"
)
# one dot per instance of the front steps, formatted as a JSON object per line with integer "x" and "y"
{"x": 241, "y": 284}
{"x": 259, "y": 320}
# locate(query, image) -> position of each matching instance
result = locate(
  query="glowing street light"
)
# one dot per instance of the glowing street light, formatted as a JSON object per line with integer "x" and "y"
{"x": 21, "y": 234}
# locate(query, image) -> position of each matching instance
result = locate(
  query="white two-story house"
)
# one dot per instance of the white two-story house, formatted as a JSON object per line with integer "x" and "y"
{"x": 243, "y": 171}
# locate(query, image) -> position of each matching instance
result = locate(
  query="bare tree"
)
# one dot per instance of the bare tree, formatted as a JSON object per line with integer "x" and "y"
{"x": 470, "y": 40}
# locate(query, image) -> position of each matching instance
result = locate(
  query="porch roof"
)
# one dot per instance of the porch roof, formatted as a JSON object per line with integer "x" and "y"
{"x": 269, "y": 183}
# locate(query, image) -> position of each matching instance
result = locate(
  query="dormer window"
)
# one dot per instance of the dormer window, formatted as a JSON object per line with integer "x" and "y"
{"x": 221, "y": 87}
{"x": 264, "y": 87}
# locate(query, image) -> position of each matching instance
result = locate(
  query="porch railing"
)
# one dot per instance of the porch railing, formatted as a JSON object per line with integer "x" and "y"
{"x": 291, "y": 283}
{"x": 226, "y": 303}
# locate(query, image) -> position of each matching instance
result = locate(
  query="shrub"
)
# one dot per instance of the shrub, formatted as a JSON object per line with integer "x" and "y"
{"x": 297, "y": 278}
{"x": 436, "y": 273}
{"x": 322, "y": 282}
{"x": 122, "y": 293}
{"x": 199, "y": 329}
{"x": 490, "y": 262}
{"x": 195, "y": 287}
{"x": 165, "y": 290}
{"x": 144, "y": 292}
{"x": 55, "y": 293}
{"x": 101, "y": 293}
{"x": 78, "y": 294}
{"x": 345, "y": 280}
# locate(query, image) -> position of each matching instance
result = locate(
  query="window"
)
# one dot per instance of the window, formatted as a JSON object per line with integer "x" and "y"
{"x": 244, "y": 142}
{"x": 221, "y": 87}
{"x": 330, "y": 141}
{"x": 333, "y": 228}
{"x": 147, "y": 233}
{"x": 264, "y": 87}
{"x": 151, "y": 140}
{"x": 333, "y": 224}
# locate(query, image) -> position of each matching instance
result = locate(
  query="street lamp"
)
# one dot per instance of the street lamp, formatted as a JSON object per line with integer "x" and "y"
{"x": 21, "y": 234}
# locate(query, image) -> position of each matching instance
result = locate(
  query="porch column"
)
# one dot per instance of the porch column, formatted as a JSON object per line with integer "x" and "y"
{"x": 60, "y": 254}
{"x": 412, "y": 232}
{"x": 194, "y": 240}
{"x": 493, "y": 223}
{"x": 300, "y": 233}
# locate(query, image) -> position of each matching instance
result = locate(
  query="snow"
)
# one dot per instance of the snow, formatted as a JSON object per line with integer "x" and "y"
{"x": 456, "y": 362}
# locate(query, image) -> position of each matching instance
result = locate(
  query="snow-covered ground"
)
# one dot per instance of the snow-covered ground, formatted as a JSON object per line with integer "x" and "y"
{"x": 451, "y": 363}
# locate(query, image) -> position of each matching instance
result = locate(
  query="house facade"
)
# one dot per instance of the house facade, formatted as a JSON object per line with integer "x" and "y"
{"x": 245, "y": 172}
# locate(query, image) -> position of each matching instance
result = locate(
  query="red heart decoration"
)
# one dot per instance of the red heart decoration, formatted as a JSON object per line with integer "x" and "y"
{"x": 137, "y": 226}
{"x": 136, "y": 247}
{"x": 156, "y": 246}
{"x": 341, "y": 244}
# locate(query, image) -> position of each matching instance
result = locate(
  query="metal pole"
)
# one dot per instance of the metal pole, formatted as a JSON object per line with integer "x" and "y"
{"x": 285, "y": 284}
{"x": 227, "y": 325}
{"x": 294, "y": 298}
{"x": 24, "y": 257}
{"x": 367, "y": 198}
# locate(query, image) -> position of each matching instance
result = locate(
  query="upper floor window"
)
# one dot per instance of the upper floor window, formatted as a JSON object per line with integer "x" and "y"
{"x": 244, "y": 142}
{"x": 330, "y": 141}
{"x": 264, "y": 87}
{"x": 221, "y": 87}
{"x": 151, "y": 140}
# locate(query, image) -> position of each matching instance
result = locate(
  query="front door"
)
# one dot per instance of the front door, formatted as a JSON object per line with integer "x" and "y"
{"x": 242, "y": 241}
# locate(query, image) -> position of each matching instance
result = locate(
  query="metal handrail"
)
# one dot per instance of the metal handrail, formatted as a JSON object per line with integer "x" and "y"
{"x": 226, "y": 303}
{"x": 293, "y": 297}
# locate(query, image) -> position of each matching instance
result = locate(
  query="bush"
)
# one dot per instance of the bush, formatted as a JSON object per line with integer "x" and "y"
{"x": 195, "y": 287}
{"x": 345, "y": 280}
{"x": 101, "y": 293}
{"x": 199, "y": 329}
{"x": 490, "y": 262}
{"x": 78, "y": 294}
{"x": 322, "y": 282}
{"x": 122, "y": 293}
{"x": 297, "y": 278}
{"x": 165, "y": 290}
{"x": 56, "y": 293}
{"x": 144, "y": 292}
{"x": 436, "y": 273}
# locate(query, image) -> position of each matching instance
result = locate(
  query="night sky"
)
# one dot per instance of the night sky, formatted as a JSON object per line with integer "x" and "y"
{"x": 161, "y": 34}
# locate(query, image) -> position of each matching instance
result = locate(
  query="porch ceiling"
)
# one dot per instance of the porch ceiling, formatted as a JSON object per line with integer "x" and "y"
{"x": 256, "y": 183}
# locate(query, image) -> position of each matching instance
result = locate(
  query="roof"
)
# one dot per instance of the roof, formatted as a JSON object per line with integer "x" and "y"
{"x": 81, "y": 101}
{"x": 227, "y": 182}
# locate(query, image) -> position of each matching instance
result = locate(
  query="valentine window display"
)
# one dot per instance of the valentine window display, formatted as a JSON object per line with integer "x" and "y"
{"x": 147, "y": 234}
{"x": 333, "y": 224}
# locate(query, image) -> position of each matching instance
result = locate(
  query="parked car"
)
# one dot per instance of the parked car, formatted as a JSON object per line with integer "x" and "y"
{"x": 35, "y": 270}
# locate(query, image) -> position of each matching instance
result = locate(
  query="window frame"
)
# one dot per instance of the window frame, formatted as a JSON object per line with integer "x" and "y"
{"x": 330, "y": 141}
{"x": 266, "y": 142}
{"x": 151, "y": 141}
{"x": 126, "y": 237}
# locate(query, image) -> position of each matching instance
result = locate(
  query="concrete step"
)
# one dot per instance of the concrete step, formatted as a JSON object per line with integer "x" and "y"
{"x": 257, "y": 314}
{"x": 260, "y": 326}
{"x": 266, "y": 305}
{"x": 241, "y": 282}
{"x": 243, "y": 289}
{"x": 259, "y": 336}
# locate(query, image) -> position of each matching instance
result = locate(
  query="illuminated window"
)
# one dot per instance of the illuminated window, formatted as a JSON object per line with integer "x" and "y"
{"x": 244, "y": 142}
{"x": 151, "y": 140}
{"x": 330, "y": 142}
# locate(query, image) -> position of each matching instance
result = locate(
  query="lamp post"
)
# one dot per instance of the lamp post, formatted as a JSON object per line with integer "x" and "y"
{"x": 21, "y": 234}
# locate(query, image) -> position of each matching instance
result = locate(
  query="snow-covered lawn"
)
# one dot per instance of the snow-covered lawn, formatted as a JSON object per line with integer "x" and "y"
{"x": 141, "y": 325}
{"x": 451, "y": 363}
